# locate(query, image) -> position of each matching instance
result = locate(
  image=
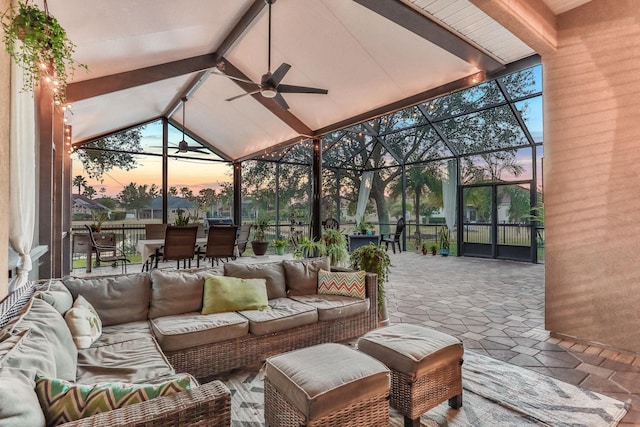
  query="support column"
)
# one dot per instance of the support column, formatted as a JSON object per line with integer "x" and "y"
{"x": 45, "y": 181}
{"x": 165, "y": 171}
{"x": 277, "y": 200}
{"x": 237, "y": 194}
{"x": 404, "y": 207}
{"x": 316, "y": 189}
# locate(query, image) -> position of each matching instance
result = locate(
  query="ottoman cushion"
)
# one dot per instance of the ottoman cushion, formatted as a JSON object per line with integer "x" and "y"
{"x": 318, "y": 380}
{"x": 411, "y": 349}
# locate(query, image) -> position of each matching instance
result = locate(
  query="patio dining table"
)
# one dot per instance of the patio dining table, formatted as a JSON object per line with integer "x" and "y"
{"x": 148, "y": 247}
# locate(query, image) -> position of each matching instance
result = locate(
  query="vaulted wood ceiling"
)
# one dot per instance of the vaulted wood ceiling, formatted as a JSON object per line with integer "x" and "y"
{"x": 373, "y": 56}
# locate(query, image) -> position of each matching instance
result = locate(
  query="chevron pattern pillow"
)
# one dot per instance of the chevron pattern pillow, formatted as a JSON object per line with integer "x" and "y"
{"x": 349, "y": 284}
{"x": 63, "y": 401}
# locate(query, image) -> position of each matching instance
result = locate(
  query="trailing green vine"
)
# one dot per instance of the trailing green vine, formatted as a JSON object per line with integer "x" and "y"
{"x": 38, "y": 43}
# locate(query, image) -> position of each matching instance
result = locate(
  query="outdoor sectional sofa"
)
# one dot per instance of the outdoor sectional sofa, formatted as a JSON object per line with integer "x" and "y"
{"x": 153, "y": 329}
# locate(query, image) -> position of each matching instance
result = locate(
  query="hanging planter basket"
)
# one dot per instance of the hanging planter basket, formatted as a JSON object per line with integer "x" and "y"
{"x": 37, "y": 42}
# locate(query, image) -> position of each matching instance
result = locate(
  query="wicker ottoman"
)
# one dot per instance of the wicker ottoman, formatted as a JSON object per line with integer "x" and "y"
{"x": 426, "y": 367}
{"x": 325, "y": 385}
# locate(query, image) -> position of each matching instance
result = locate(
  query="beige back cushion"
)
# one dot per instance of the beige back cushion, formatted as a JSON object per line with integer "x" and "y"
{"x": 302, "y": 275}
{"x": 46, "y": 346}
{"x": 117, "y": 299}
{"x": 272, "y": 272}
{"x": 56, "y": 294}
{"x": 175, "y": 292}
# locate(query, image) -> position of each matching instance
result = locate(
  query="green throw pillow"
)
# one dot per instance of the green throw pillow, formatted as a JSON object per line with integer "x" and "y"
{"x": 223, "y": 294}
{"x": 63, "y": 401}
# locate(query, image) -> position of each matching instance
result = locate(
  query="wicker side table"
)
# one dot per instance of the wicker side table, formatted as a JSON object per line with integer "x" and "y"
{"x": 325, "y": 385}
{"x": 426, "y": 367}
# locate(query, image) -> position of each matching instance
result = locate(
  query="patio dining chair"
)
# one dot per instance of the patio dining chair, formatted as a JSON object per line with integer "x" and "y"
{"x": 394, "y": 238}
{"x": 221, "y": 243}
{"x": 243, "y": 238}
{"x": 108, "y": 252}
{"x": 179, "y": 245}
{"x": 331, "y": 224}
{"x": 153, "y": 232}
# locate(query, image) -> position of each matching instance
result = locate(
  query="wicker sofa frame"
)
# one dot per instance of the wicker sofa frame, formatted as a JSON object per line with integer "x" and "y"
{"x": 212, "y": 359}
{"x": 210, "y": 403}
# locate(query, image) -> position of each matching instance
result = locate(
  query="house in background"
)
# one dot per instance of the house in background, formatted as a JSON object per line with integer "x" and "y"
{"x": 84, "y": 208}
{"x": 154, "y": 209}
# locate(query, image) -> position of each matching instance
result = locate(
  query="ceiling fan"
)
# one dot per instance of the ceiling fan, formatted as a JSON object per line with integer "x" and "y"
{"x": 183, "y": 146}
{"x": 269, "y": 85}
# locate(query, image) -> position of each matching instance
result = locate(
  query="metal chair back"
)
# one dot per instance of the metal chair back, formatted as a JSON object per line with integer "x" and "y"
{"x": 243, "y": 238}
{"x": 155, "y": 231}
{"x": 107, "y": 251}
{"x": 180, "y": 244}
{"x": 221, "y": 242}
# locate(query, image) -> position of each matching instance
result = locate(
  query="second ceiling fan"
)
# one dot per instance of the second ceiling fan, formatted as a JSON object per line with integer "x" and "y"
{"x": 270, "y": 86}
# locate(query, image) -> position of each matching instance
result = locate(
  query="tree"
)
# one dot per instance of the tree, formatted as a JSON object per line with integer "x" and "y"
{"x": 89, "y": 191}
{"x": 136, "y": 197}
{"x": 113, "y": 151}
{"x": 173, "y": 192}
{"x": 457, "y": 126}
{"x": 79, "y": 181}
{"x": 206, "y": 199}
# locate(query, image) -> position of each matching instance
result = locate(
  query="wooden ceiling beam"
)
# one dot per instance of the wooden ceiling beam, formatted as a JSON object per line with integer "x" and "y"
{"x": 402, "y": 14}
{"x": 112, "y": 83}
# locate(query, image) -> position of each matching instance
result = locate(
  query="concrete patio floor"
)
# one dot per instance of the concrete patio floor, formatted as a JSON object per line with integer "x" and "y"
{"x": 495, "y": 308}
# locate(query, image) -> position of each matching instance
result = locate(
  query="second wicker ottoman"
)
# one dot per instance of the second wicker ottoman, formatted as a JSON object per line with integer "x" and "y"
{"x": 426, "y": 367}
{"x": 325, "y": 385}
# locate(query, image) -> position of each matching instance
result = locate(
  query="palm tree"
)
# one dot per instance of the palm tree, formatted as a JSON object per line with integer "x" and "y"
{"x": 79, "y": 181}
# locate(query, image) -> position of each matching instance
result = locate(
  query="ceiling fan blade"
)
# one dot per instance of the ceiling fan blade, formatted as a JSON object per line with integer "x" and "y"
{"x": 280, "y": 100}
{"x": 221, "y": 74}
{"x": 278, "y": 74}
{"x": 300, "y": 89}
{"x": 198, "y": 150}
{"x": 241, "y": 95}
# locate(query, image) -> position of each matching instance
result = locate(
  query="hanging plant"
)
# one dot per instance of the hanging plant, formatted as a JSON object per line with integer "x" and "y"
{"x": 39, "y": 44}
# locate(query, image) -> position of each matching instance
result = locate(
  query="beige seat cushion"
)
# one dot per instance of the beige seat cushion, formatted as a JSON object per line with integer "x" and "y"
{"x": 134, "y": 361}
{"x": 193, "y": 329}
{"x": 19, "y": 405}
{"x": 272, "y": 272}
{"x": 332, "y": 307}
{"x": 411, "y": 349}
{"x": 283, "y": 313}
{"x": 321, "y": 379}
{"x": 125, "y": 332}
{"x": 302, "y": 275}
{"x": 117, "y": 299}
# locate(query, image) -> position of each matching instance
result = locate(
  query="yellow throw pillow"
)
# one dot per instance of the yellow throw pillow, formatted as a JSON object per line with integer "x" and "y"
{"x": 83, "y": 322}
{"x": 223, "y": 294}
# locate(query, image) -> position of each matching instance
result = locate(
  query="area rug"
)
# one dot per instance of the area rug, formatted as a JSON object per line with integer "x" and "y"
{"x": 495, "y": 394}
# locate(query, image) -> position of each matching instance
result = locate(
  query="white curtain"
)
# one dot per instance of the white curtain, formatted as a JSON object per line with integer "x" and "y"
{"x": 449, "y": 186}
{"x": 363, "y": 195}
{"x": 23, "y": 175}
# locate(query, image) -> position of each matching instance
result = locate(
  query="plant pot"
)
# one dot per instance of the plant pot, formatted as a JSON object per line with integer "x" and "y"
{"x": 279, "y": 250}
{"x": 433, "y": 252}
{"x": 259, "y": 248}
{"x": 424, "y": 252}
{"x": 444, "y": 252}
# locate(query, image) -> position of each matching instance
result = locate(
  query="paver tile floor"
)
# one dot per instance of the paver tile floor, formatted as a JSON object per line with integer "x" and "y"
{"x": 497, "y": 308}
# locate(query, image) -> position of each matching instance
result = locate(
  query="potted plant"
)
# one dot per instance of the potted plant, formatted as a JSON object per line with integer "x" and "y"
{"x": 309, "y": 248}
{"x": 374, "y": 259}
{"x": 336, "y": 244}
{"x": 443, "y": 238}
{"x": 182, "y": 220}
{"x": 363, "y": 225}
{"x": 425, "y": 248}
{"x": 259, "y": 244}
{"x": 98, "y": 218}
{"x": 433, "y": 249}
{"x": 279, "y": 244}
{"x": 39, "y": 44}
